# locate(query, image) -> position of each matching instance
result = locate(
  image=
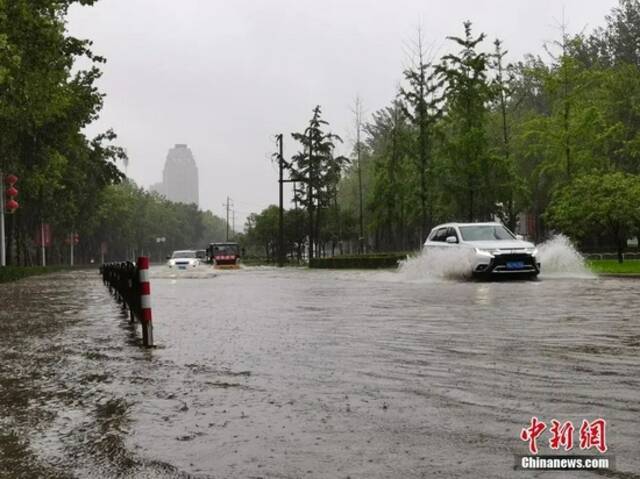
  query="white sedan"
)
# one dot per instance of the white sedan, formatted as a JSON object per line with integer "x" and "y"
{"x": 183, "y": 259}
{"x": 492, "y": 248}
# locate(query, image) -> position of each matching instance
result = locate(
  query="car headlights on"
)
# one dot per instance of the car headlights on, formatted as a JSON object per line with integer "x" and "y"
{"x": 484, "y": 252}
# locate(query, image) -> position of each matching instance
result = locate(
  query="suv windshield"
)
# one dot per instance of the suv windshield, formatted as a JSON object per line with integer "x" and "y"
{"x": 183, "y": 254}
{"x": 485, "y": 233}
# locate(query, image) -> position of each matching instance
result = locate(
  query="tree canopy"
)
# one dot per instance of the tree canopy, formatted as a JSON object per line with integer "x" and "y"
{"x": 472, "y": 137}
{"x": 601, "y": 204}
{"x": 48, "y": 95}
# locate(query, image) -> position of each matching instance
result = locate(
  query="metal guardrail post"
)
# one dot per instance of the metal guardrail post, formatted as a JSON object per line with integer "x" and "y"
{"x": 145, "y": 301}
{"x": 129, "y": 283}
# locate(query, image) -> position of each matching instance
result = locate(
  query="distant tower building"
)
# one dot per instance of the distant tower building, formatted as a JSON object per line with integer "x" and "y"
{"x": 180, "y": 176}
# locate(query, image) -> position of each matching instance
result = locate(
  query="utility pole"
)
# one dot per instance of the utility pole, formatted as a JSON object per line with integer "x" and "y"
{"x": 281, "y": 205}
{"x": 227, "y": 205}
{"x": 310, "y": 191}
{"x": 233, "y": 222}
{"x": 358, "y": 113}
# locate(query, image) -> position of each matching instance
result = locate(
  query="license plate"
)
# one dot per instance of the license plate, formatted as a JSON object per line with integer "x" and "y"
{"x": 515, "y": 264}
{"x": 182, "y": 267}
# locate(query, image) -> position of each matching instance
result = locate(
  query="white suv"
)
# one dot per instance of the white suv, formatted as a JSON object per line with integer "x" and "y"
{"x": 183, "y": 259}
{"x": 493, "y": 249}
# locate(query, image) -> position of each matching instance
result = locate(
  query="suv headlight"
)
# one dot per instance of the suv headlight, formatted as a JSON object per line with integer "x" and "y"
{"x": 485, "y": 252}
{"x": 532, "y": 251}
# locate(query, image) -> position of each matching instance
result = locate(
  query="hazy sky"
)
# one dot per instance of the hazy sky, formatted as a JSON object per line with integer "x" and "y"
{"x": 226, "y": 76}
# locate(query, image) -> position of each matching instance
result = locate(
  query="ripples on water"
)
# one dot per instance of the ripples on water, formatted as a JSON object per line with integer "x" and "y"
{"x": 199, "y": 272}
{"x": 296, "y": 373}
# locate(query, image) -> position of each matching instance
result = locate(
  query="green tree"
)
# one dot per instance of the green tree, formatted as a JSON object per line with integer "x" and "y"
{"x": 214, "y": 229}
{"x": 294, "y": 232}
{"x": 45, "y": 102}
{"x": 389, "y": 141}
{"x": 615, "y": 116}
{"x": 421, "y": 105}
{"x": 598, "y": 204}
{"x": 263, "y": 230}
{"x": 467, "y": 93}
{"x": 130, "y": 219}
{"x": 318, "y": 171}
{"x": 618, "y": 41}
{"x": 509, "y": 183}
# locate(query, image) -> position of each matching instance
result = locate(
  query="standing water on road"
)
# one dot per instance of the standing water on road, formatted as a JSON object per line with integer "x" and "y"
{"x": 311, "y": 373}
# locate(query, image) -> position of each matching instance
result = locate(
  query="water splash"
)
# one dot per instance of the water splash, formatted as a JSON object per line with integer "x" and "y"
{"x": 560, "y": 259}
{"x": 199, "y": 272}
{"x": 437, "y": 265}
{"x": 558, "y": 256}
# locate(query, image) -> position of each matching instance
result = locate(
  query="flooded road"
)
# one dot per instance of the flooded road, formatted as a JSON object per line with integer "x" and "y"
{"x": 312, "y": 373}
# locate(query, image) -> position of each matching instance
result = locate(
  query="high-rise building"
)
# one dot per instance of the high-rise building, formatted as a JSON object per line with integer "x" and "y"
{"x": 180, "y": 176}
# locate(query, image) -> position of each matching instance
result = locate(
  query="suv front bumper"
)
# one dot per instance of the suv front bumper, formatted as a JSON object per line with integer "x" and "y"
{"x": 511, "y": 264}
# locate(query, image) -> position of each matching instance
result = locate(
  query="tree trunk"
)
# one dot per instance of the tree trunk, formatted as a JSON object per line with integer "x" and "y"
{"x": 317, "y": 231}
{"x": 620, "y": 251}
{"x": 470, "y": 212}
{"x": 9, "y": 228}
{"x": 310, "y": 227}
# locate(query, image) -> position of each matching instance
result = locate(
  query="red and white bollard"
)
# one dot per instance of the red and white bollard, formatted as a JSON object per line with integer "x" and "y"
{"x": 145, "y": 301}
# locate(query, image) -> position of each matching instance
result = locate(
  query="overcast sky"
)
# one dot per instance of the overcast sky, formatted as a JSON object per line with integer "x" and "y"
{"x": 226, "y": 76}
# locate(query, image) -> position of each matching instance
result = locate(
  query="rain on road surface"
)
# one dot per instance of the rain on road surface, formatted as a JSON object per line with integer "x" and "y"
{"x": 301, "y": 373}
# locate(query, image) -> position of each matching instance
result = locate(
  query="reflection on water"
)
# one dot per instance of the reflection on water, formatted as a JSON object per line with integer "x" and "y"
{"x": 289, "y": 373}
{"x": 483, "y": 294}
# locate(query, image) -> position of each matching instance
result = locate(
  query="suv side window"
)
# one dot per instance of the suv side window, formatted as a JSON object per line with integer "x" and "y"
{"x": 441, "y": 235}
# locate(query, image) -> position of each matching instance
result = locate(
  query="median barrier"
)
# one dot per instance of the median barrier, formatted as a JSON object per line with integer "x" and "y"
{"x": 129, "y": 283}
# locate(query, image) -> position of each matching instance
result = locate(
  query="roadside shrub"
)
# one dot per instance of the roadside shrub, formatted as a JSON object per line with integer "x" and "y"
{"x": 14, "y": 273}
